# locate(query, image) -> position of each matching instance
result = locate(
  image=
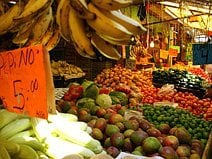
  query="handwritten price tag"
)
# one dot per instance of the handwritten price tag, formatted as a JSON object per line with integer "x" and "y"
{"x": 173, "y": 52}
{"x": 26, "y": 81}
{"x": 202, "y": 54}
{"x": 164, "y": 54}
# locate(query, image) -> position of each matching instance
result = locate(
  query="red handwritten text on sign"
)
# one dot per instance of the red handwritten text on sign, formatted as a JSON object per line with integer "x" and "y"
{"x": 23, "y": 81}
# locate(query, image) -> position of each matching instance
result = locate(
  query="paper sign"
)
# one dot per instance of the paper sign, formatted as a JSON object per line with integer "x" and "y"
{"x": 175, "y": 47}
{"x": 26, "y": 82}
{"x": 202, "y": 54}
{"x": 124, "y": 155}
{"x": 164, "y": 54}
{"x": 173, "y": 52}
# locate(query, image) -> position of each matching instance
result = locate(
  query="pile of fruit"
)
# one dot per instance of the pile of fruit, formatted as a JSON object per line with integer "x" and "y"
{"x": 123, "y": 79}
{"x": 61, "y": 135}
{"x": 106, "y": 108}
{"x": 144, "y": 132}
{"x": 185, "y": 100}
{"x": 200, "y": 72}
{"x": 119, "y": 75}
{"x": 181, "y": 80}
{"x": 194, "y": 70}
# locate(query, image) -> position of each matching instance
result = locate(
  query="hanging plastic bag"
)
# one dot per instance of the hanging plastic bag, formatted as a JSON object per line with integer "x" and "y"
{"x": 167, "y": 89}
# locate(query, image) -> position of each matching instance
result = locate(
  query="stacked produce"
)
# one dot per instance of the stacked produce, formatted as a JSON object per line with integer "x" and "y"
{"x": 143, "y": 132}
{"x": 61, "y": 135}
{"x": 89, "y": 95}
{"x": 194, "y": 70}
{"x": 119, "y": 75}
{"x": 182, "y": 80}
{"x": 79, "y": 22}
{"x": 185, "y": 100}
{"x": 140, "y": 130}
{"x": 159, "y": 115}
{"x": 200, "y": 72}
{"x": 66, "y": 70}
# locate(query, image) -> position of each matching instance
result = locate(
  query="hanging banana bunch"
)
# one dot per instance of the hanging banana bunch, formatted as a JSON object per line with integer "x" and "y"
{"x": 90, "y": 26}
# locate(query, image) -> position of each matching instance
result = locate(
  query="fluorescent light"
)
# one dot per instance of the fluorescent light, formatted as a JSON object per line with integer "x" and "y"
{"x": 12, "y": 2}
{"x": 170, "y": 4}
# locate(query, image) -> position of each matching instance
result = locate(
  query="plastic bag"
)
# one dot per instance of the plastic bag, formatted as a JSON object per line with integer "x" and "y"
{"x": 167, "y": 89}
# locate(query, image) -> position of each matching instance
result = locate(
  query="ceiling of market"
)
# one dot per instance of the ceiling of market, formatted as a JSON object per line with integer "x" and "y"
{"x": 191, "y": 13}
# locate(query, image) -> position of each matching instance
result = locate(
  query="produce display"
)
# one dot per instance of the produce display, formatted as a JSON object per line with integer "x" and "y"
{"x": 182, "y": 80}
{"x": 119, "y": 75}
{"x": 159, "y": 115}
{"x": 97, "y": 119}
{"x": 200, "y": 72}
{"x": 145, "y": 136}
{"x": 79, "y": 22}
{"x": 66, "y": 70}
{"x": 62, "y": 135}
{"x": 141, "y": 130}
{"x": 194, "y": 70}
{"x": 185, "y": 100}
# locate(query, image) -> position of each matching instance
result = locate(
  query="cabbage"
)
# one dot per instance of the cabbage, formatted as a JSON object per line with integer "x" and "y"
{"x": 86, "y": 83}
{"x": 104, "y": 100}
{"x": 121, "y": 96}
{"x": 91, "y": 91}
{"x": 86, "y": 103}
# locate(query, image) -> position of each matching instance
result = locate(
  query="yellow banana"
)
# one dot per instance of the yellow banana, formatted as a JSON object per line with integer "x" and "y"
{"x": 114, "y": 41}
{"x": 62, "y": 19}
{"x": 106, "y": 49}
{"x": 40, "y": 28}
{"x": 22, "y": 27}
{"x": 130, "y": 24}
{"x": 81, "y": 7}
{"x": 112, "y": 4}
{"x": 107, "y": 26}
{"x": 6, "y": 19}
{"x": 54, "y": 40}
{"x": 23, "y": 34}
{"x": 82, "y": 52}
{"x": 78, "y": 33}
{"x": 59, "y": 8}
{"x": 49, "y": 33}
{"x": 32, "y": 9}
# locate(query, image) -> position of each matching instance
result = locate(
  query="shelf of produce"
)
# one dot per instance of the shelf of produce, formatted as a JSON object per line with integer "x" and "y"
{"x": 199, "y": 93}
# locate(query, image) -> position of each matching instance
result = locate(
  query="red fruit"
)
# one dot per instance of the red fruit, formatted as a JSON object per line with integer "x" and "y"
{"x": 104, "y": 91}
{"x": 113, "y": 151}
{"x": 117, "y": 139}
{"x": 92, "y": 123}
{"x": 171, "y": 141}
{"x": 164, "y": 128}
{"x": 168, "y": 152}
{"x": 114, "y": 118}
{"x": 100, "y": 124}
{"x": 153, "y": 132}
{"x": 101, "y": 112}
